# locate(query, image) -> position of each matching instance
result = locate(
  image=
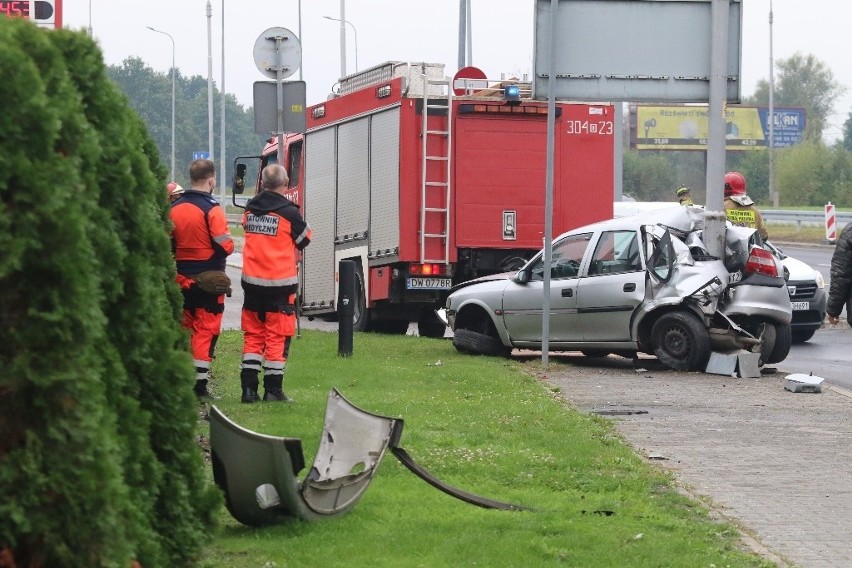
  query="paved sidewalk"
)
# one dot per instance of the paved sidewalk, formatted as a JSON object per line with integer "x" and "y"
{"x": 777, "y": 464}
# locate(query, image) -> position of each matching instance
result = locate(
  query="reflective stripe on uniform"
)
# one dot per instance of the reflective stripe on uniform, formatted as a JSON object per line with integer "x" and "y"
{"x": 252, "y": 361}
{"x": 742, "y": 217}
{"x": 264, "y": 282}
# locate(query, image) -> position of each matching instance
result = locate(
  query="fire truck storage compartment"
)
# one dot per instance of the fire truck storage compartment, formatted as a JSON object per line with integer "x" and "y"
{"x": 352, "y": 196}
{"x": 500, "y": 165}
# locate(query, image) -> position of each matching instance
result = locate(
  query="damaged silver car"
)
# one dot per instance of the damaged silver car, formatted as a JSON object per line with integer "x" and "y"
{"x": 639, "y": 284}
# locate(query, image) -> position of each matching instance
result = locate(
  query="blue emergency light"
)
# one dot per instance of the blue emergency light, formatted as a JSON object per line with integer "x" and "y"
{"x": 512, "y": 94}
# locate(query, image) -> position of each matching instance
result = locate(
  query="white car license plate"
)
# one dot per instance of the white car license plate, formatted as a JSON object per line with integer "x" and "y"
{"x": 429, "y": 283}
{"x": 801, "y": 305}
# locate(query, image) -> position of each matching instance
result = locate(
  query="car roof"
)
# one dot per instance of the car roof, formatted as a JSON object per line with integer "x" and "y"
{"x": 669, "y": 214}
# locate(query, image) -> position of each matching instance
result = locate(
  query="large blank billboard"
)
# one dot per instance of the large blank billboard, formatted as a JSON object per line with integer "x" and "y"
{"x": 632, "y": 50}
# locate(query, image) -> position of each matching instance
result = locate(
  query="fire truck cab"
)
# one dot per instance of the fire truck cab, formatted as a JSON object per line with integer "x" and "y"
{"x": 424, "y": 188}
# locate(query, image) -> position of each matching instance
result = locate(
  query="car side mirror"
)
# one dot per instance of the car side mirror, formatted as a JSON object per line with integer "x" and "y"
{"x": 239, "y": 179}
{"x": 522, "y": 276}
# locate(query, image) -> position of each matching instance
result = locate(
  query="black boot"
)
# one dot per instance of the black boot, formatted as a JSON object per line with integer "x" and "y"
{"x": 201, "y": 392}
{"x": 272, "y": 389}
{"x": 249, "y": 382}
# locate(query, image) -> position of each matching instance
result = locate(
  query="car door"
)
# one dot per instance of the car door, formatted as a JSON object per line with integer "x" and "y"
{"x": 523, "y": 302}
{"x": 613, "y": 287}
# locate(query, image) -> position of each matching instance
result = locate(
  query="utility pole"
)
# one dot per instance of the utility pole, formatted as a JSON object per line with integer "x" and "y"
{"x": 223, "y": 168}
{"x": 342, "y": 38}
{"x": 210, "y": 131}
{"x": 773, "y": 193}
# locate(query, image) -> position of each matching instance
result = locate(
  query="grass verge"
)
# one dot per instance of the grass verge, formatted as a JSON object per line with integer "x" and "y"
{"x": 487, "y": 426}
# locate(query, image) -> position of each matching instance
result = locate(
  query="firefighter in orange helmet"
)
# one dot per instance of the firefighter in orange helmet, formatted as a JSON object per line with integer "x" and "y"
{"x": 201, "y": 243}
{"x": 274, "y": 233}
{"x": 739, "y": 207}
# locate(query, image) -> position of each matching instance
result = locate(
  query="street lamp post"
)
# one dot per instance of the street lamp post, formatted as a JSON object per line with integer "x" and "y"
{"x": 210, "y": 129}
{"x": 172, "y": 172}
{"x": 773, "y": 194}
{"x": 354, "y": 34}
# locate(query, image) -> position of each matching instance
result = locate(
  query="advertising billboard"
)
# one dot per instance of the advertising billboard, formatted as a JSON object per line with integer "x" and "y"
{"x": 685, "y": 127}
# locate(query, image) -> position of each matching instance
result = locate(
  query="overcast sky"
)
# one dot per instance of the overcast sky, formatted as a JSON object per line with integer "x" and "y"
{"x": 413, "y": 31}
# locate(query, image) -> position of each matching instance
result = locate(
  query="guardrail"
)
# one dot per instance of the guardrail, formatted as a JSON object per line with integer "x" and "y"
{"x": 803, "y": 217}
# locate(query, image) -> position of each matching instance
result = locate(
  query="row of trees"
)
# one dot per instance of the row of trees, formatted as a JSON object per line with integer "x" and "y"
{"x": 808, "y": 174}
{"x": 150, "y": 94}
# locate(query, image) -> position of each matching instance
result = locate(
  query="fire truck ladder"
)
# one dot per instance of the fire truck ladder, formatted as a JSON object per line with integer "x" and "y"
{"x": 435, "y": 188}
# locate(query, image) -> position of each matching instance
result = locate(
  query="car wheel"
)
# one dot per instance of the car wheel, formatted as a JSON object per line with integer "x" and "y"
{"x": 467, "y": 341}
{"x": 802, "y": 336}
{"x": 783, "y": 340}
{"x": 430, "y": 325}
{"x": 681, "y": 342}
{"x": 767, "y": 342}
{"x": 594, "y": 353}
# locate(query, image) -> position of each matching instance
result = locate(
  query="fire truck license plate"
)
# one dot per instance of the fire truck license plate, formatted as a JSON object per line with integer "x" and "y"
{"x": 801, "y": 305}
{"x": 429, "y": 283}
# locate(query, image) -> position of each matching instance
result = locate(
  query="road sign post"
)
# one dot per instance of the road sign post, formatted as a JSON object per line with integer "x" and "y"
{"x": 278, "y": 54}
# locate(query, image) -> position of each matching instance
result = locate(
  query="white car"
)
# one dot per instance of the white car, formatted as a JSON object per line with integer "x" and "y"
{"x": 805, "y": 284}
{"x": 643, "y": 283}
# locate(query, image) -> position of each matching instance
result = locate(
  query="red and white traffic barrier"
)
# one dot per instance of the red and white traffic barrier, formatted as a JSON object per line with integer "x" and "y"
{"x": 830, "y": 223}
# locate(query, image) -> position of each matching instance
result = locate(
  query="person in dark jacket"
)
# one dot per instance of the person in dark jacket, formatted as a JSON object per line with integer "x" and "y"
{"x": 201, "y": 243}
{"x": 840, "y": 291}
{"x": 275, "y": 233}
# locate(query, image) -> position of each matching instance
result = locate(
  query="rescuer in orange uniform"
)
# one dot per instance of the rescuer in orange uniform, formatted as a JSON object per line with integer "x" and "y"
{"x": 275, "y": 232}
{"x": 201, "y": 242}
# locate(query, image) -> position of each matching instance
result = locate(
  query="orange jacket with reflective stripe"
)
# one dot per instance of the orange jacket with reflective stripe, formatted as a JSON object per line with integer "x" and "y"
{"x": 275, "y": 231}
{"x": 200, "y": 237}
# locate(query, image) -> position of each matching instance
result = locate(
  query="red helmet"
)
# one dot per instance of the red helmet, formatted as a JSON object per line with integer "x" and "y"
{"x": 174, "y": 189}
{"x": 735, "y": 184}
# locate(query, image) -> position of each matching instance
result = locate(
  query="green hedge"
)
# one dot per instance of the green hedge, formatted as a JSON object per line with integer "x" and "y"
{"x": 98, "y": 463}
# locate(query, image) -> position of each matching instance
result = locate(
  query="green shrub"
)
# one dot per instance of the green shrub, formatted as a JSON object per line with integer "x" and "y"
{"x": 98, "y": 464}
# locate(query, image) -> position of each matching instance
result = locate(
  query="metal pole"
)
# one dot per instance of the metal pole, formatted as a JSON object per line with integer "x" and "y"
{"x": 90, "y": 18}
{"x": 279, "y": 94}
{"x": 223, "y": 168}
{"x": 210, "y": 130}
{"x": 300, "y": 35}
{"x": 773, "y": 194}
{"x": 469, "y": 33}
{"x": 342, "y": 38}
{"x": 345, "y": 307}
{"x": 462, "y": 33}
{"x": 548, "y": 192}
{"x": 172, "y": 174}
{"x": 172, "y": 171}
{"x": 715, "y": 220}
{"x": 618, "y": 154}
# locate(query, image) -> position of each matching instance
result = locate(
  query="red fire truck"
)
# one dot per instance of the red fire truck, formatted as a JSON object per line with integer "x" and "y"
{"x": 423, "y": 189}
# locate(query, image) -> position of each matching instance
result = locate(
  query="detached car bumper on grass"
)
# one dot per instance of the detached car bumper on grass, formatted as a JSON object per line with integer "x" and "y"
{"x": 643, "y": 283}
